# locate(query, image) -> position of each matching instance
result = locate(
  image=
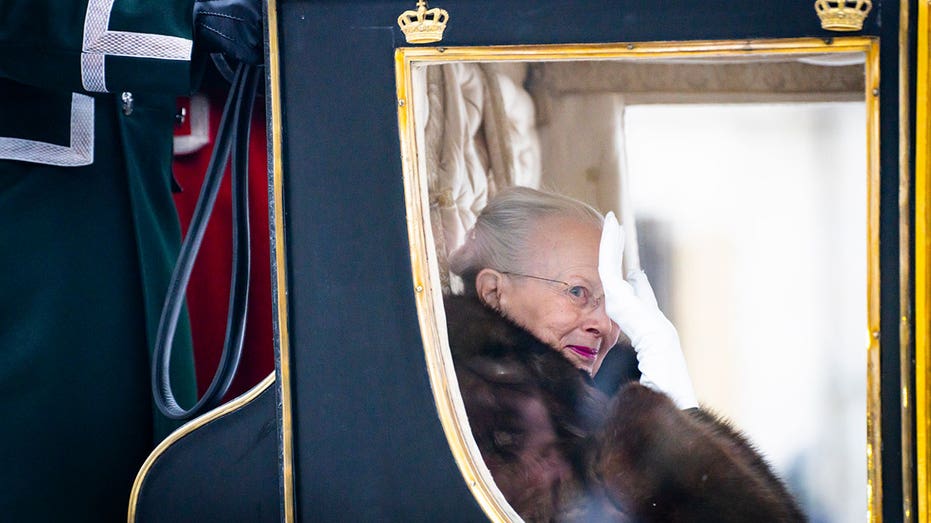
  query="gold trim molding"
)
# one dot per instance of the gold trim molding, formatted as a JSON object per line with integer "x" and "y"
{"x": 279, "y": 266}
{"x": 186, "y": 429}
{"x": 425, "y": 271}
{"x": 923, "y": 261}
{"x": 907, "y": 348}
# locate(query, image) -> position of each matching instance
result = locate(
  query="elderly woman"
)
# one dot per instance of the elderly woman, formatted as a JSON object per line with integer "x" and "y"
{"x": 543, "y": 305}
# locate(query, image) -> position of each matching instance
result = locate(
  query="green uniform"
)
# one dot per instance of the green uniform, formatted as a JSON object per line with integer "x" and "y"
{"x": 88, "y": 238}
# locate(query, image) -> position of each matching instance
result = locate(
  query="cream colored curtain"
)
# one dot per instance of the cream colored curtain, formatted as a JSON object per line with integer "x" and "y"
{"x": 477, "y": 124}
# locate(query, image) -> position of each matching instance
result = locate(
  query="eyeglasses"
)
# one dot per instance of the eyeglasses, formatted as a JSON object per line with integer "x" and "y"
{"x": 579, "y": 295}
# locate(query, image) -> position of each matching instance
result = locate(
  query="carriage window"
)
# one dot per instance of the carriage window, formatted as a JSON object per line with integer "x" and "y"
{"x": 742, "y": 181}
{"x": 757, "y": 255}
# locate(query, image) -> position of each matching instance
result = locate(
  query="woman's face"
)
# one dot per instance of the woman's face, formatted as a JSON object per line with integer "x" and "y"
{"x": 569, "y": 316}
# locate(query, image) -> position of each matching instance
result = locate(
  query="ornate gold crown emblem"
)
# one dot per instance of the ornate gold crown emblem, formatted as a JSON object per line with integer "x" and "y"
{"x": 843, "y": 15}
{"x": 423, "y": 25}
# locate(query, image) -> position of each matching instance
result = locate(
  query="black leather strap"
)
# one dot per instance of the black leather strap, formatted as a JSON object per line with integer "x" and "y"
{"x": 233, "y": 134}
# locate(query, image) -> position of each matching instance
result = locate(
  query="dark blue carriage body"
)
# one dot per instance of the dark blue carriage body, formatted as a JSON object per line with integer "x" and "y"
{"x": 367, "y": 441}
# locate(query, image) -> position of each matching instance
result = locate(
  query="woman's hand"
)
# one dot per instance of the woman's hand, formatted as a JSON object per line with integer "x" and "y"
{"x": 632, "y": 305}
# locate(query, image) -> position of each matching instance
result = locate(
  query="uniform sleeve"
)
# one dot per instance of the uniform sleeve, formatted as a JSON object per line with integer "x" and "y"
{"x": 97, "y": 46}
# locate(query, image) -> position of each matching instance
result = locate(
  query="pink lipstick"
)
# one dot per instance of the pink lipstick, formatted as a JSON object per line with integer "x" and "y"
{"x": 581, "y": 350}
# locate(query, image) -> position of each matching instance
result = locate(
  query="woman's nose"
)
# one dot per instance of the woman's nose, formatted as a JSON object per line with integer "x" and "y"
{"x": 598, "y": 322}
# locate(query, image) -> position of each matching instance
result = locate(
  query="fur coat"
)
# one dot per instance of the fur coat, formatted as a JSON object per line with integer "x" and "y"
{"x": 560, "y": 450}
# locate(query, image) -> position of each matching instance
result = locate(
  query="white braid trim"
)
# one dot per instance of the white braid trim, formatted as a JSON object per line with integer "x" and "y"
{"x": 99, "y": 42}
{"x": 80, "y": 152}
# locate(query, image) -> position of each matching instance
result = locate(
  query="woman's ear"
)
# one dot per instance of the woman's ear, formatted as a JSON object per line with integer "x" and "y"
{"x": 488, "y": 284}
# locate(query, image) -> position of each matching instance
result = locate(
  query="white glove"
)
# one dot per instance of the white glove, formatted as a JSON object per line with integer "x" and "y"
{"x": 632, "y": 306}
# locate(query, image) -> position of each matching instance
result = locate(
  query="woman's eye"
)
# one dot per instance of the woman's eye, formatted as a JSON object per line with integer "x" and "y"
{"x": 578, "y": 291}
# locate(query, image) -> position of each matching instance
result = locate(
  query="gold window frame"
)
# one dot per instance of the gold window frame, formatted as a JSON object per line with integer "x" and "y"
{"x": 923, "y": 261}
{"x": 425, "y": 267}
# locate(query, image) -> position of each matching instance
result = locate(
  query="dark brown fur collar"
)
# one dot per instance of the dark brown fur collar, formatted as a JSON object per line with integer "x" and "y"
{"x": 561, "y": 451}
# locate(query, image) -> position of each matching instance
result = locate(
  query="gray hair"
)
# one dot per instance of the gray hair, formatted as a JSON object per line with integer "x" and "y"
{"x": 503, "y": 227}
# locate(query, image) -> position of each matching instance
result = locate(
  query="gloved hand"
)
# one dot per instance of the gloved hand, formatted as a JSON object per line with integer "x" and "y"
{"x": 231, "y": 27}
{"x": 632, "y": 306}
